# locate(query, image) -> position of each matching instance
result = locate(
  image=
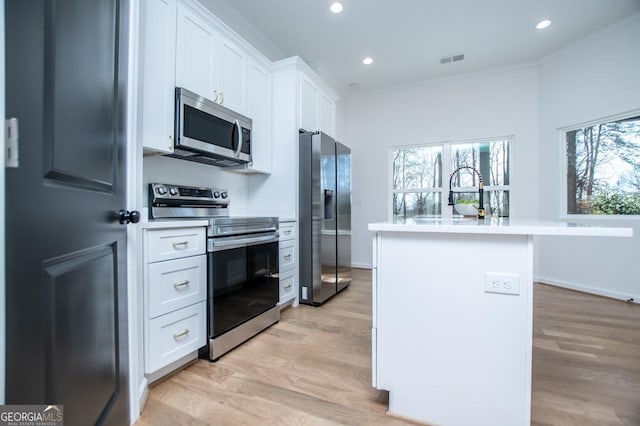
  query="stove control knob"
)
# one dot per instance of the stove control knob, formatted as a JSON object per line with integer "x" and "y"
{"x": 173, "y": 191}
{"x": 224, "y": 195}
{"x": 161, "y": 190}
{"x": 216, "y": 194}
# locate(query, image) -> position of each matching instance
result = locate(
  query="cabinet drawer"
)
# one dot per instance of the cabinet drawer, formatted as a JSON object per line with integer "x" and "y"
{"x": 287, "y": 285}
{"x": 287, "y": 231}
{"x": 287, "y": 256}
{"x": 175, "y": 335}
{"x": 174, "y": 284}
{"x": 165, "y": 244}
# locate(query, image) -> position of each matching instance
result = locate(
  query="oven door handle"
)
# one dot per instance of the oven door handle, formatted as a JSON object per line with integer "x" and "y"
{"x": 228, "y": 243}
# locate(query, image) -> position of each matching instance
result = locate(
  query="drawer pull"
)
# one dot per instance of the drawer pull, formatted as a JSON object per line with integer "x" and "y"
{"x": 287, "y": 232}
{"x": 287, "y": 287}
{"x": 181, "y": 335}
{"x": 287, "y": 257}
{"x": 184, "y": 283}
{"x": 181, "y": 243}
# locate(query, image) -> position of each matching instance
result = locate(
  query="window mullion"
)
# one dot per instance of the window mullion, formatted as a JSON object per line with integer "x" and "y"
{"x": 447, "y": 211}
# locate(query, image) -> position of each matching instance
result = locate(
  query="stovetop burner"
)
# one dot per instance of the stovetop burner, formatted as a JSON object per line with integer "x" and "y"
{"x": 168, "y": 201}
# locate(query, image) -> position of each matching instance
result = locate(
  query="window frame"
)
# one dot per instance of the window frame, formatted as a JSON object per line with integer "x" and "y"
{"x": 563, "y": 213}
{"x": 447, "y": 212}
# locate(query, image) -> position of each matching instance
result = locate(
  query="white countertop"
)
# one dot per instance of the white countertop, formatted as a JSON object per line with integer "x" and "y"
{"x": 502, "y": 226}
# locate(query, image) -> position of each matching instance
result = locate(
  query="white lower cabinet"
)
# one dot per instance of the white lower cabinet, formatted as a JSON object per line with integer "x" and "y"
{"x": 176, "y": 283}
{"x": 288, "y": 271}
{"x": 287, "y": 285}
{"x": 174, "y": 296}
{"x": 175, "y": 335}
{"x": 287, "y": 255}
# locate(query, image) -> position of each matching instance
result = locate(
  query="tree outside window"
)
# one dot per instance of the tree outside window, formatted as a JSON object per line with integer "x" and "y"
{"x": 603, "y": 168}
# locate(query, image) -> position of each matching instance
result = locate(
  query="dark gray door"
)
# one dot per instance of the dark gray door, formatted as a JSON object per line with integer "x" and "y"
{"x": 66, "y": 284}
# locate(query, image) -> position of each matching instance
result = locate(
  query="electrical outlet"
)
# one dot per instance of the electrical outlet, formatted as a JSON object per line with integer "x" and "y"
{"x": 501, "y": 283}
{"x": 304, "y": 293}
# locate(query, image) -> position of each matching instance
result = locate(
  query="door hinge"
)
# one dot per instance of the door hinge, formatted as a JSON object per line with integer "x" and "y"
{"x": 11, "y": 136}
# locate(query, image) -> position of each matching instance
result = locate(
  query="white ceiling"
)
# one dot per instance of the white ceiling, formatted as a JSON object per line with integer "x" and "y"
{"x": 407, "y": 38}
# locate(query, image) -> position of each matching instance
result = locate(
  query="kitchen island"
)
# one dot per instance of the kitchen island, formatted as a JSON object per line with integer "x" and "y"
{"x": 452, "y": 316}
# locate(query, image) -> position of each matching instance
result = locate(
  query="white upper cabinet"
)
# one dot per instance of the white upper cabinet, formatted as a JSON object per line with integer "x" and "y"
{"x": 259, "y": 105}
{"x": 157, "y": 73}
{"x": 209, "y": 64}
{"x": 232, "y": 90}
{"x": 196, "y": 67}
{"x": 308, "y": 104}
{"x": 326, "y": 115}
{"x": 317, "y": 111}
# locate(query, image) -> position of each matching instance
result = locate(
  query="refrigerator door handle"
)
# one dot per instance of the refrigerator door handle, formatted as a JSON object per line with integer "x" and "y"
{"x": 328, "y": 204}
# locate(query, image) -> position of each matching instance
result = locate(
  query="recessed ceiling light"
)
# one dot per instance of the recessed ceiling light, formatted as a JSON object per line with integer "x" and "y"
{"x": 336, "y": 7}
{"x": 543, "y": 24}
{"x": 354, "y": 85}
{"x": 367, "y": 61}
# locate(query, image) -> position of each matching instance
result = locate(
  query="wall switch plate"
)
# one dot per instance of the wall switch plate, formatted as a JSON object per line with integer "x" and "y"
{"x": 304, "y": 293}
{"x": 501, "y": 283}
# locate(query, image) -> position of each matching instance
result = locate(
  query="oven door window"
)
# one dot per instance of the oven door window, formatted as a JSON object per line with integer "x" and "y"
{"x": 243, "y": 283}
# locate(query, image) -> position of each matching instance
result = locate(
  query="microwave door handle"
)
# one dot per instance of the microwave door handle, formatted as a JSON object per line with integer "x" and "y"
{"x": 236, "y": 124}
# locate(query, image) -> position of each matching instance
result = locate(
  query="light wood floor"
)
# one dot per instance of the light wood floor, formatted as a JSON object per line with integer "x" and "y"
{"x": 313, "y": 368}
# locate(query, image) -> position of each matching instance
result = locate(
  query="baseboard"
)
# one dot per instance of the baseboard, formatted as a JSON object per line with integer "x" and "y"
{"x": 143, "y": 393}
{"x": 171, "y": 368}
{"x": 361, "y": 265}
{"x": 634, "y": 298}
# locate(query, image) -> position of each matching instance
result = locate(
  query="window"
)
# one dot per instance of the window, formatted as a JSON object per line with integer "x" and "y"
{"x": 603, "y": 168}
{"x": 420, "y": 177}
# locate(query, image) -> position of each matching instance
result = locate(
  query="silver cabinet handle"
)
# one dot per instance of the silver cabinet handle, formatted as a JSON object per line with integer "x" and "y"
{"x": 181, "y": 243}
{"x": 287, "y": 232}
{"x": 221, "y": 98}
{"x": 288, "y": 287}
{"x": 181, "y": 335}
{"x": 287, "y": 257}
{"x": 182, "y": 284}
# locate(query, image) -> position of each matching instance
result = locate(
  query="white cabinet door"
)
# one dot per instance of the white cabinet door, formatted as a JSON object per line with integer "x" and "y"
{"x": 157, "y": 73}
{"x": 232, "y": 63}
{"x": 326, "y": 115}
{"x": 196, "y": 67}
{"x": 259, "y": 110}
{"x": 308, "y": 104}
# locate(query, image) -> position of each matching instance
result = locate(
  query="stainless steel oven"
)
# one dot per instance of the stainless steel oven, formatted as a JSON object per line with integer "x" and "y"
{"x": 242, "y": 263}
{"x": 243, "y": 284}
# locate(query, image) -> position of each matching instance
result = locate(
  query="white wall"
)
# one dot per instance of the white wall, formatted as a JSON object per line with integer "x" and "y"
{"x": 592, "y": 79}
{"x": 502, "y": 102}
{"x": 173, "y": 170}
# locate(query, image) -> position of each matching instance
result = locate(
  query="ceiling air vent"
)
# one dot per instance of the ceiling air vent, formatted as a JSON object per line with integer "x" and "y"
{"x": 452, "y": 58}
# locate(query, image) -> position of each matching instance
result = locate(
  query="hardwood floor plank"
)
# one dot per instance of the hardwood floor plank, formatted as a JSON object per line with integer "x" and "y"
{"x": 586, "y": 359}
{"x": 314, "y": 368}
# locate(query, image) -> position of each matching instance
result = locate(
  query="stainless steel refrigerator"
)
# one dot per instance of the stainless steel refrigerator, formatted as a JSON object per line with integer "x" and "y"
{"x": 324, "y": 217}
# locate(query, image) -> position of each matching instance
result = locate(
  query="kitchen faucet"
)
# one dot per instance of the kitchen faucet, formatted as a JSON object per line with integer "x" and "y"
{"x": 480, "y": 189}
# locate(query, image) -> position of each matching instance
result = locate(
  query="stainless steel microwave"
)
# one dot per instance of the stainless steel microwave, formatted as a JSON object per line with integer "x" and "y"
{"x": 207, "y": 132}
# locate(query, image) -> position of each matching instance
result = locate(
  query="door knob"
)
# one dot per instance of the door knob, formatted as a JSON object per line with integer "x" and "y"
{"x": 127, "y": 216}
